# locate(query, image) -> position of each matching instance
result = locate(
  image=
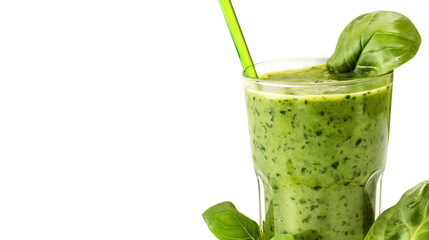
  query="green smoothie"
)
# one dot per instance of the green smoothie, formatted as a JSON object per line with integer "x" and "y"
{"x": 319, "y": 149}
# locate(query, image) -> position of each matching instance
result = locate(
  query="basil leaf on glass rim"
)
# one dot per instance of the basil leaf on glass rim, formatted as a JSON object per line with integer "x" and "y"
{"x": 375, "y": 43}
{"x": 407, "y": 220}
{"x": 227, "y": 223}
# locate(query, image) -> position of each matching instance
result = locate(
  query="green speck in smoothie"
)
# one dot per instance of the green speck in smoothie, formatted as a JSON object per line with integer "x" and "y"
{"x": 307, "y": 219}
{"x": 358, "y": 141}
{"x": 312, "y": 207}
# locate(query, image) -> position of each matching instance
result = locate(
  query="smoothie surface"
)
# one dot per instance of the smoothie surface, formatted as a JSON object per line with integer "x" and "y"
{"x": 315, "y": 74}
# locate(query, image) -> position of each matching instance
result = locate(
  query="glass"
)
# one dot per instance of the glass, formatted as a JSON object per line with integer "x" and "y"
{"x": 319, "y": 151}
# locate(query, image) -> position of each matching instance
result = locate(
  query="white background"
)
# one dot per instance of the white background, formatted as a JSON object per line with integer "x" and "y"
{"x": 126, "y": 119}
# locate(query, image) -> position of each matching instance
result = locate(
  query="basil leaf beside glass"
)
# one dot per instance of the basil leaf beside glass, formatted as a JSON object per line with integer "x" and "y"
{"x": 227, "y": 223}
{"x": 407, "y": 220}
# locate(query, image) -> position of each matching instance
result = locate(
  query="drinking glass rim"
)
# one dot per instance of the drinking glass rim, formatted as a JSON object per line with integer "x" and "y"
{"x": 307, "y": 84}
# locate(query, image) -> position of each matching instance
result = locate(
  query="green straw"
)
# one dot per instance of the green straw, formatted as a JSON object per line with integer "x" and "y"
{"x": 238, "y": 38}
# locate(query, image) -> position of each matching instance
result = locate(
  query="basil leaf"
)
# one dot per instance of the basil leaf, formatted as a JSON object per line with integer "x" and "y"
{"x": 407, "y": 220}
{"x": 283, "y": 237}
{"x": 227, "y": 223}
{"x": 375, "y": 43}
